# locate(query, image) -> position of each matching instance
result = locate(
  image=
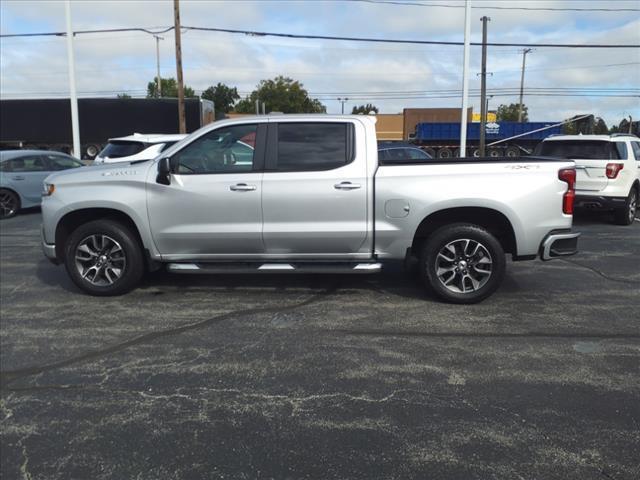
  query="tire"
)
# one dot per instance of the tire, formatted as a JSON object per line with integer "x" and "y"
{"x": 444, "y": 153}
{"x": 475, "y": 152}
{"x": 9, "y": 203}
{"x": 96, "y": 251}
{"x": 486, "y": 267}
{"x": 430, "y": 151}
{"x": 627, "y": 214}
{"x": 512, "y": 152}
{"x": 495, "y": 152}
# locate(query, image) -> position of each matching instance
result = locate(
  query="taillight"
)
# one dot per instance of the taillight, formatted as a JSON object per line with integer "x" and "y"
{"x": 568, "y": 175}
{"x": 613, "y": 169}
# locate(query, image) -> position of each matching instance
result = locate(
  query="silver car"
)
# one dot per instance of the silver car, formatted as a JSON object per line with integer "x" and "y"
{"x": 22, "y": 173}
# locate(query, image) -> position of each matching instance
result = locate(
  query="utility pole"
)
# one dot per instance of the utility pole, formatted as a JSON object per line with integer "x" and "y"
{"x": 524, "y": 58}
{"x": 75, "y": 126}
{"x": 483, "y": 87}
{"x": 343, "y": 101}
{"x": 465, "y": 78}
{"x": 158, "y": 81}
{"x": 181, "y": 116}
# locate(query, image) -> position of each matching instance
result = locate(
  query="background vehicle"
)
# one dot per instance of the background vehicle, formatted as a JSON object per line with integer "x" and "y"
{"x": 312, "y": 198}
{"x": 46, "y": 124}
{"x": 442, "y": 140}
{"x": 607, "y": 168}
{"x": 400, "y": 152}
{"x": 136, "y": 147}
{"x": 22, "y": 173}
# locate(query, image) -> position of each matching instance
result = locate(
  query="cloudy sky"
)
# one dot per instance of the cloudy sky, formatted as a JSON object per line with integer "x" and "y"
{"x": 125, "y": 62}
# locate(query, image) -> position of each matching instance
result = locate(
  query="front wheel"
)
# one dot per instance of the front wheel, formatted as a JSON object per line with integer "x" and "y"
{"x": 104, "y": 258}
{"x": 462, "y": 263}
{"x": 627, "y": 214}
{"x": 9, "y": 203}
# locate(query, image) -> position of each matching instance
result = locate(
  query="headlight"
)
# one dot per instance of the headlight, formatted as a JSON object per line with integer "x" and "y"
{"x": 48, "y": 189}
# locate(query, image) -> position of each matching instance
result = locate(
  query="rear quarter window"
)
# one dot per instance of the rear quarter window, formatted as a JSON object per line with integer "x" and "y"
{"x": 621, "y": 148}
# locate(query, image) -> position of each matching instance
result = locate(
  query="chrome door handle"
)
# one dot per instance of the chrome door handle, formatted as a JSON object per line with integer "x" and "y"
{"x": 18, "y": 178}
{"x": 346, "y": 186}
{"x": 242, "y": 187}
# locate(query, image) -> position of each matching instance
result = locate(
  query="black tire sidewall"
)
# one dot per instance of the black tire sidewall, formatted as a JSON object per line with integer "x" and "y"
{"x": 17, "y": 197}
{"x": 448, "y": 233}
{"x": 621, "y": 216}
{"x": 134, "y": 268}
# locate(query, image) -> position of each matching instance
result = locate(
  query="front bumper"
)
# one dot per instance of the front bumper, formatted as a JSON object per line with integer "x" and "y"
{"x": 598, "y": 202}
{"x": 48, "y": 249}
{"x": 559, "y": 244}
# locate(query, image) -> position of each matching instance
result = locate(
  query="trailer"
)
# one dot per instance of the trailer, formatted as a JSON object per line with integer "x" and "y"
{"x": 508, "y": 139}
{"x": 45, "y": 124}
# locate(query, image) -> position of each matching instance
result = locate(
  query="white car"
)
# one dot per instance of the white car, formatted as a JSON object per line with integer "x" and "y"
{"x": 136, "y": 147}
{"x": 607, "y": 170}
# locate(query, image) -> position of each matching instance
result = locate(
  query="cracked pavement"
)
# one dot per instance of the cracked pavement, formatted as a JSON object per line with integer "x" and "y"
{"x": 325, "y": 376}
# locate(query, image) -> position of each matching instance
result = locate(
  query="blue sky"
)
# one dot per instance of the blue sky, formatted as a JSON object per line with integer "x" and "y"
{"x": 120, "y": 62}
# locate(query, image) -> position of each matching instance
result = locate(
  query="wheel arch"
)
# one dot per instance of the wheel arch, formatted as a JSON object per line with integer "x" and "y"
{"x": 492, "y": 220}
{"x": 72, "y": 220}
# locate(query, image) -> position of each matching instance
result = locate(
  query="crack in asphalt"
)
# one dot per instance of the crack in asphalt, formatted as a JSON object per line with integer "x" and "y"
{"x": 9, "y": 376}
{"x": 399, "y": 333}
{"x": 603, "y": 275}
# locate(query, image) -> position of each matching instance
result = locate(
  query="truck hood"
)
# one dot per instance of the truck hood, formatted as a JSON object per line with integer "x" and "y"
{"x": 102, "y": 172}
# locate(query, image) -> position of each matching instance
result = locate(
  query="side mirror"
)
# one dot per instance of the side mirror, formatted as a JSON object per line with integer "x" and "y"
{"x": 164, "y": 171}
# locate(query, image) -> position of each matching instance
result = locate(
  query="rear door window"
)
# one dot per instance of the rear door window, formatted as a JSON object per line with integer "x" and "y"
{"x": 58, "y": 162}
{"x": 122, "y": 148}
{"x": 313, "y": 146}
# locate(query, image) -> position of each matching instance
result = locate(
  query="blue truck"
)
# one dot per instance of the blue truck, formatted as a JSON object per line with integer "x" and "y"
{"x": 508, "y": 139}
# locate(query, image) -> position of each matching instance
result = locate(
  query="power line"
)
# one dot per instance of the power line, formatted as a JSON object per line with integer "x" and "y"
{"x": 325, "y": 37}
{"x": 490, "y": 7}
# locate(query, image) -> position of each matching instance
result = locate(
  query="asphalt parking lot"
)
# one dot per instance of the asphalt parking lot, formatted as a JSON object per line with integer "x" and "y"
{"x": 293, "y": 377}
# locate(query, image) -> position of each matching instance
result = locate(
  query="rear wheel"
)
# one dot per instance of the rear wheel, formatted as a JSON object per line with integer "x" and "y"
{"x": 627, "y": 214}
{"x": 462, "y": 263}
{"x": 512, "y": 152}
{"x": 9, "y": 203}
{"x": 103, "y": 258}
{"x": 445, "y": 153}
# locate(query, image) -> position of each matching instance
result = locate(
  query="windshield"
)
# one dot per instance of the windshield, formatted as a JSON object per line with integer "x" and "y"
{"x": 581, "y": 149}
{"x": 122, "y": 148}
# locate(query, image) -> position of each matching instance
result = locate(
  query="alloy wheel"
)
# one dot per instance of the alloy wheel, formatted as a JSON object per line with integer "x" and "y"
{"x": 100, "y": 260}
{"x": 8, "y": 204}
{"x": 633, "y": 207}
{"x": 464, "y": 265}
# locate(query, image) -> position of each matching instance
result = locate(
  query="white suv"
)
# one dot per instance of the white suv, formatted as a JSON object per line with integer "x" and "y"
{"x": 136, "y": 147}
{"x": 607, "y": 168}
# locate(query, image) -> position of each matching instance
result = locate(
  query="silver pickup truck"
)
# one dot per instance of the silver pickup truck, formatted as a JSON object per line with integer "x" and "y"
{"x": 305, "y": 193}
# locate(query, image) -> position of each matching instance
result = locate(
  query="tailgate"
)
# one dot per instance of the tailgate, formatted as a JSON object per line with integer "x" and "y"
{"x": 591, "y": 175}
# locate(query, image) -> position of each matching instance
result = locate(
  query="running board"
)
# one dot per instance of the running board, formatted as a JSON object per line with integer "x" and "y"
{"x": 209, "y": 268}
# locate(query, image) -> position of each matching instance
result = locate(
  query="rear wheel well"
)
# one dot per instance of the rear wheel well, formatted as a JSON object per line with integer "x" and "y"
{"x": 73, "y": 220}
{"x": 491, "y": 220}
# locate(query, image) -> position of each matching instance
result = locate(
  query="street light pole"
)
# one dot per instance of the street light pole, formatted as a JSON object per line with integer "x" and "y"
{"x": 483, "y": 87}
{"x": 524, "y": 58}
{"x": 343, "y": 101}
{"x": 158, "y": 81}
{"x": 75, "y": 126}
{"x": 465, "y": 78}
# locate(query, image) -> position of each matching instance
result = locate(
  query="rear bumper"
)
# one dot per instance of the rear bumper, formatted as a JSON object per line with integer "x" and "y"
{"x": 559, "y": 244}
{"x": 598, "y": 202}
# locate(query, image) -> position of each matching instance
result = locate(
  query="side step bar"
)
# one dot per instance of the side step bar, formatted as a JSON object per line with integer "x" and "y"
{"x": 209, "y": 268}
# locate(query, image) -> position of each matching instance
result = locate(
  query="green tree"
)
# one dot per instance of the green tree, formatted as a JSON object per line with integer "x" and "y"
{"x": 124, "y": 95}
{"x": 365, "y": 109}
{"x": 222, "y": 96}
{"x": 600, "y": 127}
{"x": 282, "y": 94}
{"x": 509, "y": 113}
{"x": 169, "y": 88}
